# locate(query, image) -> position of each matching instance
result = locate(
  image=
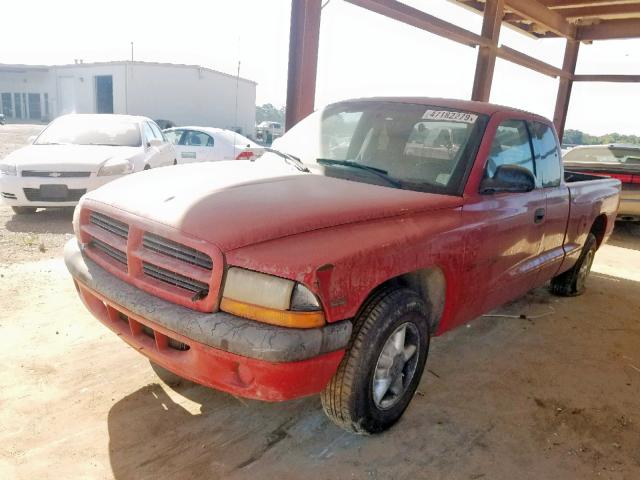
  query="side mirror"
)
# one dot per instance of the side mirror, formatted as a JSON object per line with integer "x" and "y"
{"x": 509, "y": 178}
{"x": 155, "y": 142}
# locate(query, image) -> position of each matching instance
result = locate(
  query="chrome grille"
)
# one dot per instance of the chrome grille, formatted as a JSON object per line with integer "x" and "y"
{"x": 54, "y": 174}
{"x": 109, "y": 250}
{"x": 109, "y": 224}
{"x": 176, "y": 250}
{"x": 172, "y": 278}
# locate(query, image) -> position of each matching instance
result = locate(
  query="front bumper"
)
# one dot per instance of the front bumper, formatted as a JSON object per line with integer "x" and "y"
{"x": 13, "y": 189}
{"x": 219, "y": 350}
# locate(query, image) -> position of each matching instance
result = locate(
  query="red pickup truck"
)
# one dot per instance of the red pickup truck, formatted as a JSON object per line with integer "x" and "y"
{"x": 329, "y": 263}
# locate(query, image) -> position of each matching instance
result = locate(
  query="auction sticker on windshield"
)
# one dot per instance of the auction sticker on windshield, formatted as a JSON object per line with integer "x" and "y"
{"x": 463, "y": 117}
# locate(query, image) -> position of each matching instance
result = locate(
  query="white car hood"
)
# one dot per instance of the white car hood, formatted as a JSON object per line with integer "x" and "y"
{"x": 67, "y": 157}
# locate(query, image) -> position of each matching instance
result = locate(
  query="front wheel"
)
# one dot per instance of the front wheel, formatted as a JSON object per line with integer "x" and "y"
{"x": 382, "y": 367}
{"x": 573, "y": 281}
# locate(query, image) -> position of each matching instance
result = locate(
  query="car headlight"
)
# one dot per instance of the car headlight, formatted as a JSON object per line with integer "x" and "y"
{"x": 7, "y": 169}
{"x": 115, "y": 167}
{"x": 269, "y": 299}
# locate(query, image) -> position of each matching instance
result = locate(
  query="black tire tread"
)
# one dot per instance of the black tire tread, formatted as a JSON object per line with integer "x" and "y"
{"x": 564, "y": 285}
{"x": 336, "y": 395}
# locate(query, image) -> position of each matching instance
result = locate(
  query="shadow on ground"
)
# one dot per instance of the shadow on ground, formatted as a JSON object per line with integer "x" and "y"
{"x": 50, "y": 220}
{"x": 626, "y": 235}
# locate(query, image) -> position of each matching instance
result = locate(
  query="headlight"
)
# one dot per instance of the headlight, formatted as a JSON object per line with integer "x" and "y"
{"x": 270, "y": 299}
{"x": 115, "y": 167}
{"x": 6, "y": 169}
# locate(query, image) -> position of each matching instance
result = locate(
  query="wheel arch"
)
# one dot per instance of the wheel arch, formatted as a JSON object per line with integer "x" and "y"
{"x": 599, "y": 228}
{"x": 430, "y": 283}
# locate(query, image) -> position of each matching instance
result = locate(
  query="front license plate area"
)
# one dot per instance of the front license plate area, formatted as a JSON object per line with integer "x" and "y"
{"x": 55, "y": 192}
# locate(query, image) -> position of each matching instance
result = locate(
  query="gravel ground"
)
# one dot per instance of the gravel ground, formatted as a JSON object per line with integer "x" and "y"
{"x": 25, "y": 238}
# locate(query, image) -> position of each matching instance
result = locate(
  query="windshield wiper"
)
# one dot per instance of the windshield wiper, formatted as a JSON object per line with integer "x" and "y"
{"x": 379, "y": 172}
{"x": 290, "y": 159}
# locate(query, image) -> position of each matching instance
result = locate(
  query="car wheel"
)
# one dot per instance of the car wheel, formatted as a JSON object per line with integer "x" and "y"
{"x": 383, "y": 364}
{"x": 175, "y": 161}
{"x": 147, "y": 167}
{"x": 573, "y": 281}
{"x": 24, "y": 210}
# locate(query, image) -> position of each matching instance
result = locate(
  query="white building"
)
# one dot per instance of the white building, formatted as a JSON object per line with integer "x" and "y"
{"x": 182, "y": 94}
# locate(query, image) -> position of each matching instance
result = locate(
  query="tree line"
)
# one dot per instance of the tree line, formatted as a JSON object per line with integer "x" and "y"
{"x": 576, "y": 137}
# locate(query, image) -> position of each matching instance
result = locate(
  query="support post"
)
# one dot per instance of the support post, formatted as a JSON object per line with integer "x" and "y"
{"x": 304, "y": 39}
{"x": 486, "y": 62}
{"x": 565, "y": 85}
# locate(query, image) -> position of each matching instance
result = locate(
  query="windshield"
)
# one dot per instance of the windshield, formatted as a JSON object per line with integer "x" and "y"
{"x": 99, "y": 130}
{"x": 603, "y": 155}
{"x": 401, "y": 145}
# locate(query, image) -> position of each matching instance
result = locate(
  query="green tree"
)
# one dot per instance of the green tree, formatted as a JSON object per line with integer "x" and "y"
{"x": 268, "y": 112}
{"x": 576, "y": 137}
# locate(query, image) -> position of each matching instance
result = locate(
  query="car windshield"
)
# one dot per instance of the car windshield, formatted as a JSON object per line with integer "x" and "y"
{"x": 400, "y": 145}
{"x": 80, "y": 130}
{"x": 611, "y": 155}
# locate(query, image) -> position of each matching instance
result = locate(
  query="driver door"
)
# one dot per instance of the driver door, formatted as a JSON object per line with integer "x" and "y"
{"x": 503, "y": 229}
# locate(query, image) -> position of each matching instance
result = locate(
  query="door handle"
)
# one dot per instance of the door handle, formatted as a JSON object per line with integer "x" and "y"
{"x": 539, "y": 215}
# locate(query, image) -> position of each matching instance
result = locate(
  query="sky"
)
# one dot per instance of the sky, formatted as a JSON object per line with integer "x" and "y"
{"x": 361, "y": 53}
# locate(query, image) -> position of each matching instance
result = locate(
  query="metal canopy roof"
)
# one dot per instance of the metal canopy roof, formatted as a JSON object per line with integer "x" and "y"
{"x": 583, "y": 20}
{"x": 575, "y": 20}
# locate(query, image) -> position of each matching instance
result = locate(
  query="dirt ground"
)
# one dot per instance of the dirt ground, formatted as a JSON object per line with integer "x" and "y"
{"x": 554, "y": 396}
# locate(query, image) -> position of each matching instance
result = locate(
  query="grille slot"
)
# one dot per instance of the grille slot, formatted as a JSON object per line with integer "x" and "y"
{"x": 54, "y": 174}
{"x": 178, "y": 345}
{"x": 172, "y": 278}
{"x": 35, "y": 195}
{"x": 109, "y": 224}
{"x": 10, "y": 196}
{"x": 177, "y": 250}
{"x": 109, "y": 250}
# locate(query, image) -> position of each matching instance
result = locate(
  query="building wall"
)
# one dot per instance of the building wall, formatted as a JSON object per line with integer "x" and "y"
{"x": 185, "y": 95}
{"x": 23, "y": 83}
{"x": 191, "y": 96}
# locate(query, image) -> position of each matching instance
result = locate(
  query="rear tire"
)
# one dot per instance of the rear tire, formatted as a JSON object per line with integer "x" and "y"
{"x": 24, "y": 210}
{"x": 383, "y": 364}
{"x": 147, "y": 167}
{"x": 573, "y": 282}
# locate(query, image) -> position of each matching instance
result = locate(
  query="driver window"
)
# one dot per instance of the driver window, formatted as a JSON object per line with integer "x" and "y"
{"x": 510, "y": 146}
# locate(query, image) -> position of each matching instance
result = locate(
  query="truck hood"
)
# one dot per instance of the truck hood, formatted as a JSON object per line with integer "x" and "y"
{"x": 70, "y": 157}
{"x": 238, "y": 203}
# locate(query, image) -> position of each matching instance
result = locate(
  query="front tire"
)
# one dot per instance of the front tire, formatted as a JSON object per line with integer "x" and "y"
{"x": 573, "y": 282}
{"x": 24, "y": 210}
{"x": 382, "y": 367}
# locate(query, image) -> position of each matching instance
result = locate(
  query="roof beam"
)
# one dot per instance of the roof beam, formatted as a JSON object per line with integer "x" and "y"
{"x": 609, "y": 30}
{"x": 607, "y": 78}
{"x": 419, "y": 19}
{"x": 524, "y": 60}
{"x": 539, "y": 13}
{"x": 602, "y": 11}
{"x": 561, "y": 4}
